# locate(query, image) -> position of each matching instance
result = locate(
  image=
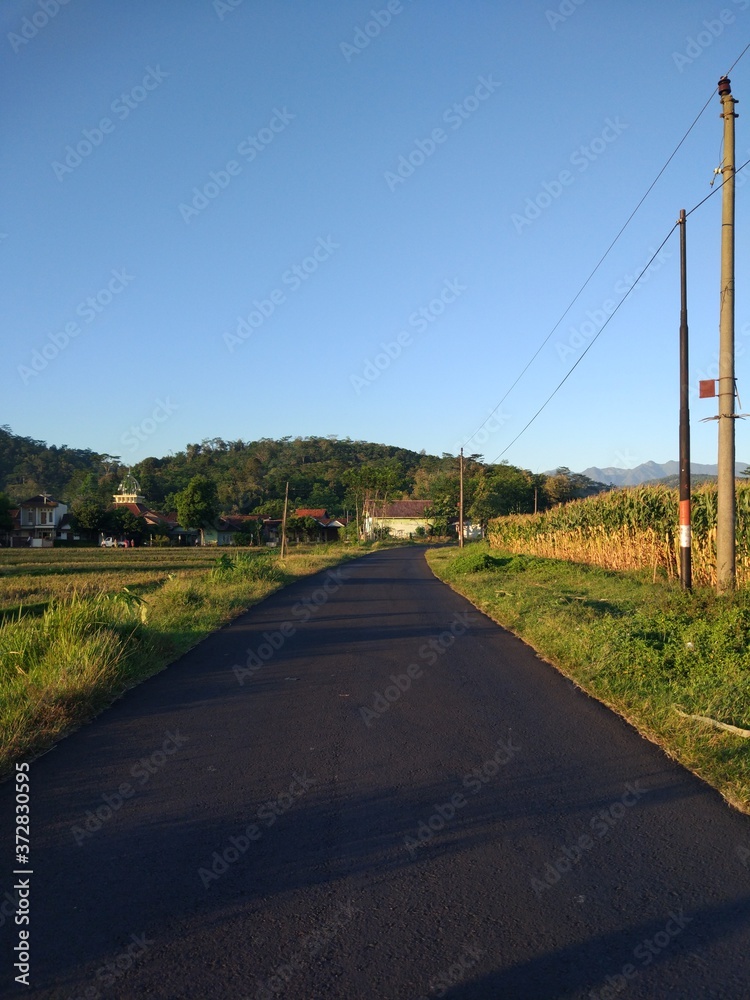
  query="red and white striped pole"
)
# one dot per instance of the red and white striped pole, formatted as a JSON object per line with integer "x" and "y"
{"x": 686, "y": 569}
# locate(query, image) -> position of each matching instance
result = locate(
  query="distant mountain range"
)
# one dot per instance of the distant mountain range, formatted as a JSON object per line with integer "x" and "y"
{"x": 649, "y": 471}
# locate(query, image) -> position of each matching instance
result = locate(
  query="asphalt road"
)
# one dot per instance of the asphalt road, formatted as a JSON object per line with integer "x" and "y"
{"x": 364, "y": 788}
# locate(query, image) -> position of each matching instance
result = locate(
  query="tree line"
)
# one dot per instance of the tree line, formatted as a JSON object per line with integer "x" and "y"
{"x": 250, "y": 477}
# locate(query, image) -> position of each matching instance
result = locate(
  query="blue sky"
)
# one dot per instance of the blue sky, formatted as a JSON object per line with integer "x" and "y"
{"x": 246, "y": 219}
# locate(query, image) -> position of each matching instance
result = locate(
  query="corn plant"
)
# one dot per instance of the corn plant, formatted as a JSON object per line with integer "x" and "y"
{"x": 634, "y": 528}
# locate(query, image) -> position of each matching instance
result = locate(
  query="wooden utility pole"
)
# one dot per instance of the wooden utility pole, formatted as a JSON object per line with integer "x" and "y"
{"x": 461, "y": 500}
{"x": 283, "y": 522}
{"x": 725, "y": 519}
{"x": 686, "y": 568}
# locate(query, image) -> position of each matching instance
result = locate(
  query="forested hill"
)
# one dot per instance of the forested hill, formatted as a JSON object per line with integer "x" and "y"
{"x": 28, "y": 467}
{"x": 250, "y": 476}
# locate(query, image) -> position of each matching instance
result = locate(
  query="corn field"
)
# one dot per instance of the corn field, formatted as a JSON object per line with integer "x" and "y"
{"x": 635, "y": 528}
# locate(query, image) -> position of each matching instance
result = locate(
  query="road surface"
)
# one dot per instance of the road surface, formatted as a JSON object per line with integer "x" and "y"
{"x": 364, "y": 788}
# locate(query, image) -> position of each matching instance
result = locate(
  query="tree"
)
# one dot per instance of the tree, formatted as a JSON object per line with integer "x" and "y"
{"x": 198, "y": 505}
{"x": 125, "y": 524}
{"x": 444, "y": 499}
{"x": 90, "y": 514}
{"x": 501, "y": 489}
{"x": 302, "y": 528}
{"x": 271, "y": 508}
{"x": 6, "y": 521}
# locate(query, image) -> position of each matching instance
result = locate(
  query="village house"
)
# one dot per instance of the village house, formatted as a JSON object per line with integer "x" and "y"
{"x": 226, "y": 529}
{"x": 472, "y": 532}
{"x": 328, "y": 527}
{"x": 399, "y": 519}
{"x": 38, "y": 521}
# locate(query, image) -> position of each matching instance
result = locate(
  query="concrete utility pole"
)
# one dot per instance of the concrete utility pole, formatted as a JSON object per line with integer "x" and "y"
{"x": 461, "y": 501}
{"x": 686, "y": 567}
{"x": 725, "y": 522}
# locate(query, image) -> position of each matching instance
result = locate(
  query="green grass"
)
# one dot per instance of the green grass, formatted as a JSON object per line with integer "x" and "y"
{"x": 643, "y": 648}
{"x": 101, "y": 621}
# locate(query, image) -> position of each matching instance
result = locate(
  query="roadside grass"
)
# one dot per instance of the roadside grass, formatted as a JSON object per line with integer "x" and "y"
{"x": 105, "y": 620}
{"x": 646, "y": 649}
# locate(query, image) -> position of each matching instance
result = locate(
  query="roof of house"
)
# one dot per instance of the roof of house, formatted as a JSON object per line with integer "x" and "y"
{"x": 401, "y": 508}
{"x": 40, "y": 500}
{"x": 236, "y": 522}
{"x": 151, "y": 517}
{"x": 321, "y": 515}
{"x": 139, "y": 509}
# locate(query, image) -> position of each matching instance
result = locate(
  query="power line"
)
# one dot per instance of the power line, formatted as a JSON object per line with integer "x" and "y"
{"x": 614, "y": 312}
{"x": 737, "y": 59}
{"x": 603, "y": 257}
{"x": 704, "y": 200}
{"x": 594, "y": 340}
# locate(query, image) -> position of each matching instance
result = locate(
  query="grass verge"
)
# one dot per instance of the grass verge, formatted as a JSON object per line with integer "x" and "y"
{"x": 61, "y": 667}
{"x": 645, "y": 649}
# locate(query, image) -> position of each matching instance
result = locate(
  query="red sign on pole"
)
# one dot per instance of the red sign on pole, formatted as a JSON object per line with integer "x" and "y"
{"x": 707, "y": 388}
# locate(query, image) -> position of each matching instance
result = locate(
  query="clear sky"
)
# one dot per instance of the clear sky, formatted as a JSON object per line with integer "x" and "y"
{"x": 247, "y": 219}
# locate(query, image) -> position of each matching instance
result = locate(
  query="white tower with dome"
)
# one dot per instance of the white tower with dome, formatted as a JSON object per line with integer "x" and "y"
{"x": 129, "y": 491}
